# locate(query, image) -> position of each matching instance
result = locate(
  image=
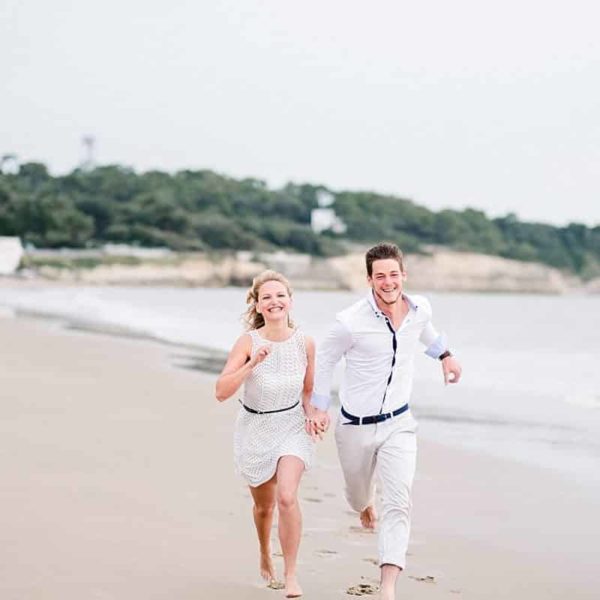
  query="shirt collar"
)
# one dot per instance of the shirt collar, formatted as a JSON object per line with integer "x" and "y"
{"x": 377, "y": 310}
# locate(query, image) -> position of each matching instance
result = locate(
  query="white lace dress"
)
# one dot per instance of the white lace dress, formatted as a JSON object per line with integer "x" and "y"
{"x": 260, "y": 440}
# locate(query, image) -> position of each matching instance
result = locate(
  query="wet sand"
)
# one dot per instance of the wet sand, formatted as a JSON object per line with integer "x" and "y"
{"x": 117, "y": 484}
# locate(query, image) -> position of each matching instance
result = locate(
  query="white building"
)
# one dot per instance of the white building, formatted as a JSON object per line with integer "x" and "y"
{"x": 324, "y": 198}
{"x": 11, "y": 252}
{"x": 322, "y": 219}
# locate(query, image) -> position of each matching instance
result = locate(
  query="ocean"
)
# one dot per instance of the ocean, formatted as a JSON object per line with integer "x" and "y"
{"x": 531, "y": 384}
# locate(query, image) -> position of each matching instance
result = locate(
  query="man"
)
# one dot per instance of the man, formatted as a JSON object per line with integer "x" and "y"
{"x": 375, "y": 433}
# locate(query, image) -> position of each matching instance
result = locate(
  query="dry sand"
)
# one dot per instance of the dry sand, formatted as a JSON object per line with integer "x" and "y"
{"x": 117, "y": 484}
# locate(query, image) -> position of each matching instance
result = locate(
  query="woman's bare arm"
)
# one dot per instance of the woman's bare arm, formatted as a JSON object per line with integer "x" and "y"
{"x": 238, "y": 366}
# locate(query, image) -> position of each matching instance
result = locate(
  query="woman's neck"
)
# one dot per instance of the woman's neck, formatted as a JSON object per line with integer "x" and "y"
{"x": 276, "y": 332}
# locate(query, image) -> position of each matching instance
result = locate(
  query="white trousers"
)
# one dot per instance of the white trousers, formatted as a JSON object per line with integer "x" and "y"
{"x": 387, "y": 452}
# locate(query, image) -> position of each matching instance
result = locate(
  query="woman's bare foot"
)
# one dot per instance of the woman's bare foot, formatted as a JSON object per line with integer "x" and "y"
{"x": 267, "y": 571}
{"x": 368, "y": 517}
{"x": 292, "y": 587}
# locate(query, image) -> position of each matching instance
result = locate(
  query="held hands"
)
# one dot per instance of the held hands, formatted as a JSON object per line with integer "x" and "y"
{"x": 260, "y": 355}
{"x": 451, "y": 369}
{"x": 316, "y": 422}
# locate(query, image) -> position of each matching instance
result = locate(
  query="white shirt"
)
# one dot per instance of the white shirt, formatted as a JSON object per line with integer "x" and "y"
{"x": 376, "y": 378}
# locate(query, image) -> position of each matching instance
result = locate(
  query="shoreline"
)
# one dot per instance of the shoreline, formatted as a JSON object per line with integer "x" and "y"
{"x": 209, "y": 360}
{"x": 119, "y": 484}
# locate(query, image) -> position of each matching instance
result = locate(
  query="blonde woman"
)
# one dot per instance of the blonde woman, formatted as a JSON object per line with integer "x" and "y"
{"x": 272, "y": 449}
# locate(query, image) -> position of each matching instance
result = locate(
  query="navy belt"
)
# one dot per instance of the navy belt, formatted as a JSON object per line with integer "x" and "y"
{"x": 268, "y": 412}
{"x": 354, "y": 420}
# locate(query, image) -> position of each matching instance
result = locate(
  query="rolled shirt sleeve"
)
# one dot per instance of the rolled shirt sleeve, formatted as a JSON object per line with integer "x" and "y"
{"x": 329, "y": 353}
{"x": 435, "y": 343}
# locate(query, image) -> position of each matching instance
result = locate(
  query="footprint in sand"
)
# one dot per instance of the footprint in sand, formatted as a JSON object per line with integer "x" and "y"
{"x": 359, "y": 529}
{"x": 373, "y": 561}
{"x": 275, "y": 585}
{"x": 326, "y": 552}
{"x": 426, "y": 579}
{"x": 312, "y": 499}
{"x": 362, "y": 589}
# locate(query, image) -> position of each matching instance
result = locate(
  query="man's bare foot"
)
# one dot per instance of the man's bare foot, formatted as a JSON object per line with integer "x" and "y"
{"x": 267, "y": 571}
{"x": 292, "y": 587}
{"x": 368, "y": 517}
{"x": 386, "y": 594}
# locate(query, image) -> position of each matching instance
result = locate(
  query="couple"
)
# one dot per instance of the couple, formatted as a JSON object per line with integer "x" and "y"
{"x": 286, "y": 400}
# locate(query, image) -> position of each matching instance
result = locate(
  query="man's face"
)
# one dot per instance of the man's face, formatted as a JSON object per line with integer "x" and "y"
{"x": 386, "y": 280}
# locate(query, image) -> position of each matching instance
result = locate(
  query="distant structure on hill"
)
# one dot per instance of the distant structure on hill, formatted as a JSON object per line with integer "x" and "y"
{"x": 11, "y": 252}
{"x": 9, "y": 164}
{"x": 324, "y": 217}
{"x": 89, "y": 157}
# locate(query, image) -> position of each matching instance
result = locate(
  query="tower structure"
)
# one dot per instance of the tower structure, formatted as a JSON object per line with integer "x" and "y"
{"x": 89, "y": 148}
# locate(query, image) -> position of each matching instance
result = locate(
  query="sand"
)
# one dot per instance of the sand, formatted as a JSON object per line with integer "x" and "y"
{"x": 117, "y": 484}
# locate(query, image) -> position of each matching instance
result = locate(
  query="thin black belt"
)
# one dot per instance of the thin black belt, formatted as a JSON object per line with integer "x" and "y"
{"x": 354, "y": 420}
{"x": 268, "y": 412}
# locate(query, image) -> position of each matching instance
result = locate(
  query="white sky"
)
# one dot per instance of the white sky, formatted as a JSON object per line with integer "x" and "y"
{"x": 493, "y": 105}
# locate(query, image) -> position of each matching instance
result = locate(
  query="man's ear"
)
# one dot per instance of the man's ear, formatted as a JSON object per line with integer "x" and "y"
{"x": 404, "y": 274}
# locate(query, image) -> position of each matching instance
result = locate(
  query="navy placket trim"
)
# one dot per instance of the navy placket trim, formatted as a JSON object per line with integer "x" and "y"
{"x": 394, "y": 348}
{"x": 378, "y": 314}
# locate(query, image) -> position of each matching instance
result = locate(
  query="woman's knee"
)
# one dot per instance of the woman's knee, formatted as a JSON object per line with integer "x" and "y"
{"x": 286, "y": 499}
{"x": 264, "y": 509}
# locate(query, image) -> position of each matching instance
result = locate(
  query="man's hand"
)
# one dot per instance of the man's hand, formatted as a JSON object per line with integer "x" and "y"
{"x": 451, "y": 369}
{"x": 317, "y": 422}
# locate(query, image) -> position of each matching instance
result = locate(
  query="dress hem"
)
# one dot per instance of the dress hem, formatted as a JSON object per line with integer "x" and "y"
{"x": 306, "y": 468}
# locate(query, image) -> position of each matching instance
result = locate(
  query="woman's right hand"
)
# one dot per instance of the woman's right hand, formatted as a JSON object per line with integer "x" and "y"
{"x": 260, "y": 355}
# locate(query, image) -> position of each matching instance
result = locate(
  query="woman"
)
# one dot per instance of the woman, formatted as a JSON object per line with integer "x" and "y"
{"x": 272, "y": 448}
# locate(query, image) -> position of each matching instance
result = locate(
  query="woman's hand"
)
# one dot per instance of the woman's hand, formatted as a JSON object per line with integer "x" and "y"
{"x": 260, "y": 355}
{"x": 316, "y": 422}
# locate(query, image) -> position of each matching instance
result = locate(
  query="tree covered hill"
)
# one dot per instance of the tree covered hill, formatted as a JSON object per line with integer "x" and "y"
{"x": 203, "y": 210}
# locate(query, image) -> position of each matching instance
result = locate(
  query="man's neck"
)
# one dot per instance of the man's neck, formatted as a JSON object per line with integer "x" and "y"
{"x": 392, "y": 311}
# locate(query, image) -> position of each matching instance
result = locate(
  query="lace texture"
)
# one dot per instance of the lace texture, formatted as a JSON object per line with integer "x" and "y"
{"x": 261, "y": 440}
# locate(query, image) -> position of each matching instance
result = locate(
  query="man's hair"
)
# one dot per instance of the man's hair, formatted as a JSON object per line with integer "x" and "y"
{"x": 382, "y": 251}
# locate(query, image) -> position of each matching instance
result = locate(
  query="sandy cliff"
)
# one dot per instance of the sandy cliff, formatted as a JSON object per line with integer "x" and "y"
{"x": 442, "y": 270}
{"x": 447, "y": 270}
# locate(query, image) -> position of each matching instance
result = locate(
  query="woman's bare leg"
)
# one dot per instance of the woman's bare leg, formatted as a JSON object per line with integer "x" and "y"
{"x": 289, "y": 472}
{"x": 264, "y": 506}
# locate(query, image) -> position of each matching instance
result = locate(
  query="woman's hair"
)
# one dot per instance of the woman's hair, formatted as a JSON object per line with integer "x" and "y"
{"x": 252, "y": 318}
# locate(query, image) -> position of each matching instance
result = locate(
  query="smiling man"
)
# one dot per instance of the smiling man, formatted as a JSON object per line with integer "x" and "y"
{"x": 375, "y": 433}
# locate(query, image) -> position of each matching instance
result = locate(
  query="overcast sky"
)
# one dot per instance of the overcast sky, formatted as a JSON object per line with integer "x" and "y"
{"x": 492, "y": 105}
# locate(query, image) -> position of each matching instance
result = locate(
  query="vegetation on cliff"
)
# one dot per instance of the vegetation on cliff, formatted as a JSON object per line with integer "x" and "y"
{"x": 203, "y": 210}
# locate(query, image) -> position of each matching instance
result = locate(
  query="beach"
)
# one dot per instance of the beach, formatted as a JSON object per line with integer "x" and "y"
{"x": 118, "y": 484}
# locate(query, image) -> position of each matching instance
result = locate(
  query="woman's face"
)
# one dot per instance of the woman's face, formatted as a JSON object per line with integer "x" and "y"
{"x": 274, "y": 302}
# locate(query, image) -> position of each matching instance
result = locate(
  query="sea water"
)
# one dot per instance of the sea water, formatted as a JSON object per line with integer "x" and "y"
{"x": 531, "y": 384}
